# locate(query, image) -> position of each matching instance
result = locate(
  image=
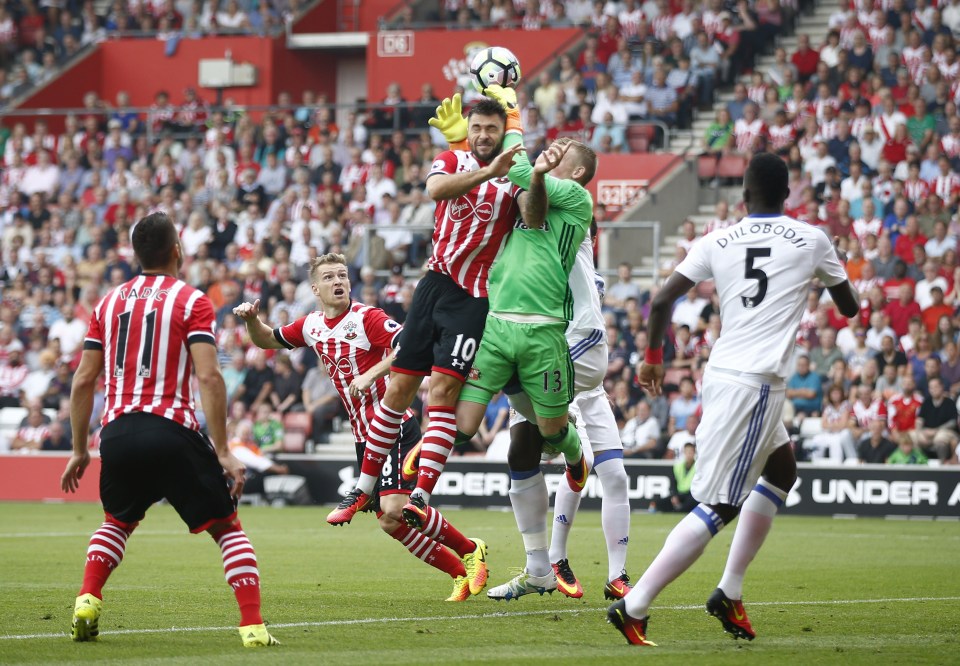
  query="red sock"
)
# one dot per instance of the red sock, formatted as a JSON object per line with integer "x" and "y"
{"x": 437, "y": 445}
{"x": 104, "y": 554}
{"x": 435, "y": 554}
{"x": 440, "y": 530}
{"x": 240, "y": 568}
{"x": 381, "y": 437}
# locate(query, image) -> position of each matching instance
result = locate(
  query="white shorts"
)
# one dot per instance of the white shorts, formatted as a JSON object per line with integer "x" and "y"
{"x": 740, "y": 428}
{"x": 589, "y": 356}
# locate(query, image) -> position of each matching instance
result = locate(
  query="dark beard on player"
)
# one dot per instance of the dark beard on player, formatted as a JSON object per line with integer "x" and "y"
{"x": 485, "y": 153}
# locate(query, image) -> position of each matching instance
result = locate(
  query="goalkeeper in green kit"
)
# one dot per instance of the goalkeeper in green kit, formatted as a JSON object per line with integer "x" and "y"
{"x": 524, "y": 347}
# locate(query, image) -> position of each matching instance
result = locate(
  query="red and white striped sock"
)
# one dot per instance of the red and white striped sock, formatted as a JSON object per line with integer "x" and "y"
{"x": 437, "y": 445}
{"x": 381, "y": 437}
{"x": 435, "y": 554}
{"x": 104, "y": 554}
{"x": 440, "y": 530}
{"x": 240, "y": 569}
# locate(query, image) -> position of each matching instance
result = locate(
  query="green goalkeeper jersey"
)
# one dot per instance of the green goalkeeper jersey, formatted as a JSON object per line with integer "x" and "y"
{"x": 531, "y": 275}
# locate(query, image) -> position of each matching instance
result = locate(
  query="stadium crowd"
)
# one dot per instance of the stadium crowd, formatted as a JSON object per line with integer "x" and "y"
{"x": 257, "y": 197}
{"x": 37, "y": 39}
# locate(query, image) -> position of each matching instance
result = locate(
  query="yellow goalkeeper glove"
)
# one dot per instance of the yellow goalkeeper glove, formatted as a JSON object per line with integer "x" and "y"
{"x": 508, "y": 100}
{"x": 450, "y": 121}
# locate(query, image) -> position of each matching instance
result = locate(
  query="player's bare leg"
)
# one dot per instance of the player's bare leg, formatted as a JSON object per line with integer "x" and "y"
{"x": 382, "y": 434}
{"x": 243, "y": 577}
{"x": 756, "y": 519}
{"x": 528, "y": 497}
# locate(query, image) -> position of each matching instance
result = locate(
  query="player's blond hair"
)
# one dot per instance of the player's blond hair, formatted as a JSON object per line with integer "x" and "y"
{"x": 324, "y": 260}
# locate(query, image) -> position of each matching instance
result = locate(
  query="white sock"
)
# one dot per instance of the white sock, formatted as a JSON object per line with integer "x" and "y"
{"x": 565, "y": 506}
{"x": 756, "y": 519}
{"x": 615, "y": 510}
{"x": 528, "y": 496}
{"x": 683, "y": 546}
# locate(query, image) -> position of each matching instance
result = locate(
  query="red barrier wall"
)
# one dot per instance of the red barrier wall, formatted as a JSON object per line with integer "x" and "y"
{"x": 630, "y": 168}
{"x": 37, "y": 478}
{"x": 439, "y": 56}
{"x": 322, "y": 18}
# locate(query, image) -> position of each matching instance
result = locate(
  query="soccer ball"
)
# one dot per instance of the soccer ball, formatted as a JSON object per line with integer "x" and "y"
{"x": 494, "y": 64}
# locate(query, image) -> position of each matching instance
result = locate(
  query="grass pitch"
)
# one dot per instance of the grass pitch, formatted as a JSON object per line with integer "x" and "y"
{"x": 821, "y": 591}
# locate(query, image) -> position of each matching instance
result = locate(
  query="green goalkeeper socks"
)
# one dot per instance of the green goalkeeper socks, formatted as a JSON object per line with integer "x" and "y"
{"x": 567, "y": 442}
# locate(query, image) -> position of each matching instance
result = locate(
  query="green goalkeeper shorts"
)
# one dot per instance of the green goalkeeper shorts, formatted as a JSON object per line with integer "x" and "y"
{"x": 537, "y": 354}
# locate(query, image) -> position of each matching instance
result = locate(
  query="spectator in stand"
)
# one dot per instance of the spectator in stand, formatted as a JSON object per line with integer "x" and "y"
{"x": 662, "y": 100}
{"x": 321, "y": 401}
{"x": 906, "y": 452}
{"x": 941, "y": 243}
{"x": 267, "y": 430}
{"x": 684, "y": 405}
{"x": 805, "y": 59}
{"x": 57, "y": 438}
{"x": 835, "y": 441}
{"x": 13, "y": 373}
{"x": 641, "y": 434}
{"x": 923, "y": 290}
{"x": 936, "y": 433}
{"x": 825, "y": 353}
{"x": 257, "y": 383}
{"x": 804, "y": 389}
{"x": 34, "y": 428}
{"x": 876, "y": 447}
{"x": 900, "y": 311}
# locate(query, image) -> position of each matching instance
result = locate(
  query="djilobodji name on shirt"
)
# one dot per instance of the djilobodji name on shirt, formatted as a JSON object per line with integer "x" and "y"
{"x": 741, "y": 230}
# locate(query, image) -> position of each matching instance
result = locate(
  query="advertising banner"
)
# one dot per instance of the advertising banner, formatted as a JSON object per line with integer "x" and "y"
{"x": 867, "y": 490}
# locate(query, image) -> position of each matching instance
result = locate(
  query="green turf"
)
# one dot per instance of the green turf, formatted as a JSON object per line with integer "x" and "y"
{"x": 805, "y": 594}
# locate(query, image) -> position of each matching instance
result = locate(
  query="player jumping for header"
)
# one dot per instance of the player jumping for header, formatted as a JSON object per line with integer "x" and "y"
{"x": 476, "y": 209}
{"x": 762, "y": 267}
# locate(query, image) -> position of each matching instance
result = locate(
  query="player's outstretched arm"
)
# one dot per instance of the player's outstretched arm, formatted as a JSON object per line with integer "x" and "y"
{"x": 213, "y": 395}
{"x": 81, "y": 407}
{"x": 444, "y": 186}
{"x": 534, "y": 204}
{"x": 844, "y": 294}
{"x": 260, "y": 333}
{"x": 650, "y": 374}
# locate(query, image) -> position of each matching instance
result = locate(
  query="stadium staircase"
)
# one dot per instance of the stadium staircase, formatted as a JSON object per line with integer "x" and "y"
{"x": 690, "y": 142}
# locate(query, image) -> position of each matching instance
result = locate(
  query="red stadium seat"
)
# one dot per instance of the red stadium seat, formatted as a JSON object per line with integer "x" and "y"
{"x": 297, "y": 422}
{"x": 294, "y": 442}
{"x": 732, "y": 166}
{"x": 639, "y": 137}
{"x": 706, "y": 167}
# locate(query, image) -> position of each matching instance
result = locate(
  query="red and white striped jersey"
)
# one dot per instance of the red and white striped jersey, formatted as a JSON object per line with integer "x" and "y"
{"x": 862, "y": 227}
{"x": 348, "y": 346}
{"x": 756, "y": 93}
{"x": 828, "y": 129}
{"x": 630, "y": 22}
{"x": 144, "y": 328}
{"x": 915, "y": 190}
{"x": 470, "y": 230}
{"x": 912, "y": 57}
{"x": 883, "y": 189}
{"x": 746, "y": 134}
{"x": 663, "y": 27}
{"x": 859, "y": 125}
{"x": 820, "y": 104}
{"x": 866, "y": 413}
{"x": 950, "y": 145}
{"x": 781, "y": 137}
{"x": 847, "y": 33}
{"x": 950, "y": 71}
{"x": 711, "y": 22}
{"x": 878, "y": 36}
{"x": 946, "y": 187}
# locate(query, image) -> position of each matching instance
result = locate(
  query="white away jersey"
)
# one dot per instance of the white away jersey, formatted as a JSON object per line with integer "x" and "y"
{"x": 587, "y": 315}
{"x": 762, "y": 268}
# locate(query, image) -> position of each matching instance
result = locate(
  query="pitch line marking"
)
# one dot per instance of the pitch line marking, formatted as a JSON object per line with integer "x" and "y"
{"x": 481, "y": 616}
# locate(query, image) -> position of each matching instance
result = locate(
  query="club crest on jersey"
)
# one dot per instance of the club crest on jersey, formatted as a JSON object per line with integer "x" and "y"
{"x": 474, "y": 375}
{"x": 350, "y": 331}
{"x": 462, "y": 209}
